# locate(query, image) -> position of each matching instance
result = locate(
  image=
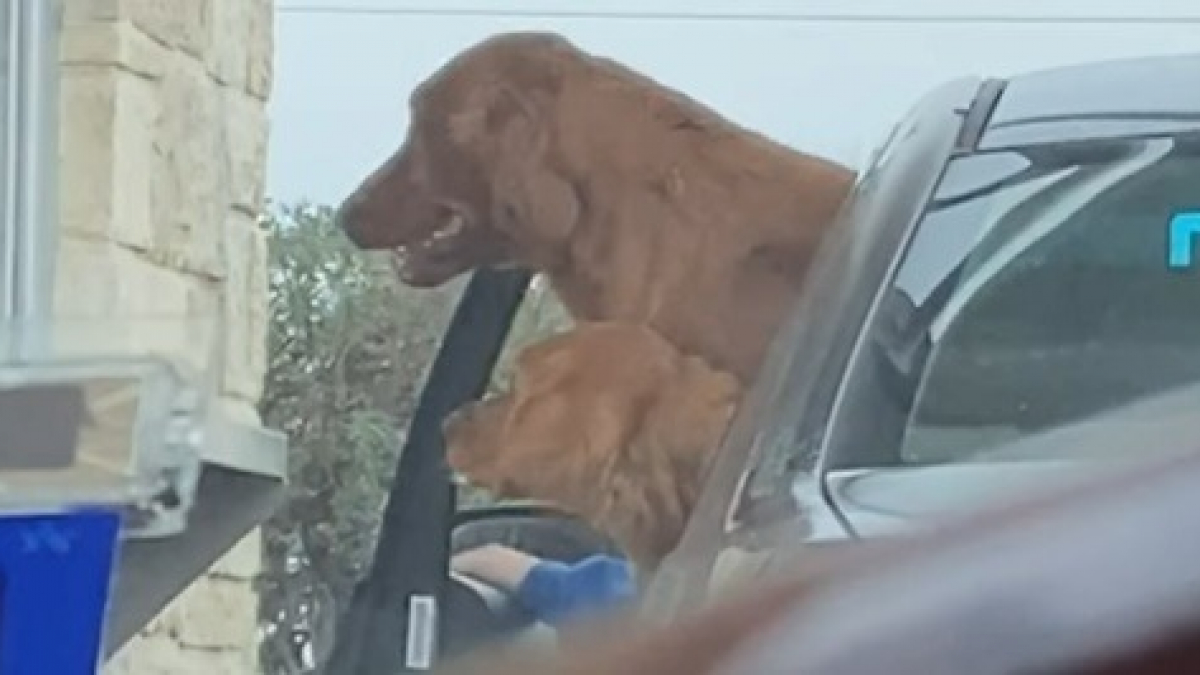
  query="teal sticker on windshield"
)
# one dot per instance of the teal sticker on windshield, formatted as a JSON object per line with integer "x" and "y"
{"x": 1184, "y": 229}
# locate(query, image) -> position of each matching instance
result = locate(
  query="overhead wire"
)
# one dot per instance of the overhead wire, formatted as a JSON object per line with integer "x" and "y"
{"x": 731, "y": 16}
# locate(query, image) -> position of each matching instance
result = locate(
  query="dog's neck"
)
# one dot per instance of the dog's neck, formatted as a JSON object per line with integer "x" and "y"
{"x": 639, "y": 154}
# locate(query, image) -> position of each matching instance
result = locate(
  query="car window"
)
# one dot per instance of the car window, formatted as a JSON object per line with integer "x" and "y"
{"x": 1036, "y": 300}
{"x": 539, "y": 316}
{"x": 747, "y": 487}
{"x": 786, "y": 412}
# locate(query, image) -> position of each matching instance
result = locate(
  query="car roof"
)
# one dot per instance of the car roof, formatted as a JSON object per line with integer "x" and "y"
{"x": 1107, "y": 99}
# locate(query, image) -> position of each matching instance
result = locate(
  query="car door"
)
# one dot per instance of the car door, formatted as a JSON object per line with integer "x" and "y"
{"x": 749, "y": 508}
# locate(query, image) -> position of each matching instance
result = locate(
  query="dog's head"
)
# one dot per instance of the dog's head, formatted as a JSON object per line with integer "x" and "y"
{"x": 473, "y": 183}
{"x": 608, "y": 421}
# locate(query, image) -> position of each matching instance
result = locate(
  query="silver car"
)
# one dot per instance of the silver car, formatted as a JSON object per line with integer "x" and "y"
{"x": 1010, "y": 302}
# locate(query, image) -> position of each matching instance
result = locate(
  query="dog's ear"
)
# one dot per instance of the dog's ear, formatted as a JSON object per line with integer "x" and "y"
{"x": 509, "y": 125}
{"x": 646, "y": 500}
{"x": 533, "y": 198}
{"x": 651, "y": 496}
{"x": 472, "y": 435}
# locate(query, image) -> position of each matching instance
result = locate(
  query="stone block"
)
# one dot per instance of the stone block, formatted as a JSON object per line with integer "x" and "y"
{"x": 112, "y": 301}
{"x": 186, "y": 25}
{"x": 161, "y": 655}
{"x": 111, "y": 43}
{"x": 245, "y": 305}
{"x": 246, "y": 118}
{"x": 135, "y": 154}
{"x": 190, "y": 186}
{"x": 86, "y": 140}
{"x": 244, "y": 561}
{"x": 107, "y": 155}
{"x": 214, "y": 614}
{"x": 261, "y": 40}
{"x": 230, "y": 49}
{"x": 77, "y": 12}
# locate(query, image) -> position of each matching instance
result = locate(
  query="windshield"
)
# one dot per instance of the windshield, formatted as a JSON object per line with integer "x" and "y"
{"x": 1037, "y": 291}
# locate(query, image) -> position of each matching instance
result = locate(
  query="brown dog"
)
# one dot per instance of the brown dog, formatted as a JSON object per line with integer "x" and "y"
{"x": 640, "y": 204}
{"x": 608, "y": 421}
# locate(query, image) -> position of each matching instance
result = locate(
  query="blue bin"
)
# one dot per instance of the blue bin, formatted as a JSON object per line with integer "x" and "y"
{"x": 55, "y": 577}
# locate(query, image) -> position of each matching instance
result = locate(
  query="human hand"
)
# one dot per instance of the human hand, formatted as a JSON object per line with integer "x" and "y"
{"x": 494, "y": 564}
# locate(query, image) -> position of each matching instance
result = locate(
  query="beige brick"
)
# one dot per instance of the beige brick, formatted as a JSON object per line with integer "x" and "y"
{"x": 113, "y": 43}
{"x": 111, "y": 301}
{"x": 77, "y": 12}
{"x": 244, "y": 561}
{"x": 107, "y": 156}
{"x": 184, "y": 24}
{"x": 261, "y": 40}
{"x": 230, "y": 50}
{"x": 245, "y": 310}
{"x": 190, "y": 185}
{"x": 259, "y": 301}
{"x": 214, "y": 613}
{"x": 160, "y": 655}
{"x": 135, "y": 158}
{"x": 246, "y": 146}
{"x": 86, "y": 147}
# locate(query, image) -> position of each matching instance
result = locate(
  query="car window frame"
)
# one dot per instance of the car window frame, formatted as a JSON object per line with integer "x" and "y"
{"x": 927, "y": 136}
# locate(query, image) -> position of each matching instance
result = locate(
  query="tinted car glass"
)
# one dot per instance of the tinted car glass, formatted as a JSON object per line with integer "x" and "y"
{"x": 1036, "y": 293}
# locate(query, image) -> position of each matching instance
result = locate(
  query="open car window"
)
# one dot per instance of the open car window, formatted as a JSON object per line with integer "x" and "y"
{"x": 786, "y": 412}
{"x": 747, "y": 490}
{"x": 1034, "y": 292}
{"x": 539, "y": 316}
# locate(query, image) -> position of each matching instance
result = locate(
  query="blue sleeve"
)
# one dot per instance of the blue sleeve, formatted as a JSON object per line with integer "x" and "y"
{"x": 554, "y": 591}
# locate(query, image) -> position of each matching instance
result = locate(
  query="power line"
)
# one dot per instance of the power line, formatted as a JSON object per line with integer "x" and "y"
{"x": 750, "y": 17}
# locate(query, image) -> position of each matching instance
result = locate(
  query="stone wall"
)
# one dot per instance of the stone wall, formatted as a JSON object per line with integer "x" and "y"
{"x": 163, "y": 151}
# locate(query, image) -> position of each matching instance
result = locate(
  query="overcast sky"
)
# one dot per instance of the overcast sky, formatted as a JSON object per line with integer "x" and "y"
{"x": 829, "y": 83}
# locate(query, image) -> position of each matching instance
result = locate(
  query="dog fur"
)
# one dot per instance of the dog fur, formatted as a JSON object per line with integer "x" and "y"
{"x": 639, "y": 204}
{"x": 608, "y": 421}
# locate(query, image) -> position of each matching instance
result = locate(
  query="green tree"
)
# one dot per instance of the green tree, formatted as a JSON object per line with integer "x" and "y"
{"x": 348, "y": 350}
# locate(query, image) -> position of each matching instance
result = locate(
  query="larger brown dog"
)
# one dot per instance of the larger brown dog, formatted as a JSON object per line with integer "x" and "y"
{"x": 608, "y": 421}
{"x": 640, "y": 204}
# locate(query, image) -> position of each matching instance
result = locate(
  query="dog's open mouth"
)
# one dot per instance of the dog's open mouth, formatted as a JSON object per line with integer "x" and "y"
{"x": 414, "y": 259}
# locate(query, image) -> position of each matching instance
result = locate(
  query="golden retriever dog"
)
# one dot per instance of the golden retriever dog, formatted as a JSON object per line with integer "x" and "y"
{"x": 610, "y": 422}
{"x": 639, "y": 204}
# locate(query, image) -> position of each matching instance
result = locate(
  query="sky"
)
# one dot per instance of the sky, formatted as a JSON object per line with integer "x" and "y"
{"x": 824, "y": 76}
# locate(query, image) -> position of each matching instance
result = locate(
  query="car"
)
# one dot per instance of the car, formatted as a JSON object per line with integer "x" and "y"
{"x": 1000, "y": 310}
{"x": 1003, "y": 271}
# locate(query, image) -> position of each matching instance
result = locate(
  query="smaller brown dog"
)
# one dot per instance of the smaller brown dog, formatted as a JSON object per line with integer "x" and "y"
{"x": 608, "y": 421}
